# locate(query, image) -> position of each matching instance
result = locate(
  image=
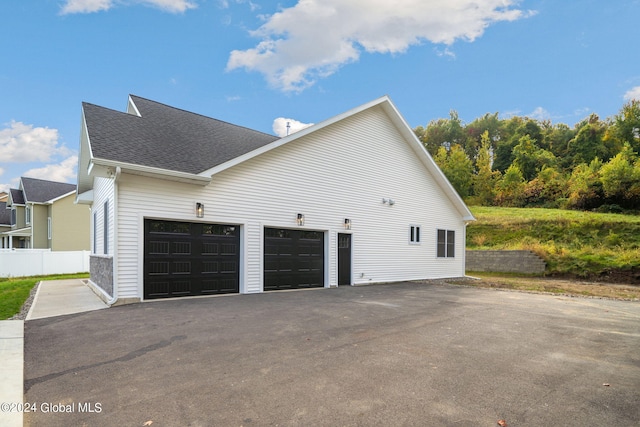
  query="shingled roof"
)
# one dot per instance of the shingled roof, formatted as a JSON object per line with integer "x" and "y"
{"x": 5, "y": 214}
{"x": 166, "y": 137}
{"x": 17, "y": 198}
{"x": 42, "y": 191}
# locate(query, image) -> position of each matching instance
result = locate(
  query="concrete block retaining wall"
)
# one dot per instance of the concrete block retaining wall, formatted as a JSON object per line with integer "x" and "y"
{"x": 505, "y": 262}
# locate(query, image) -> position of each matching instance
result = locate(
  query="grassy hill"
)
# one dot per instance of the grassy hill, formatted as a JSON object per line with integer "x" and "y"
{"x": 583, "y": 244}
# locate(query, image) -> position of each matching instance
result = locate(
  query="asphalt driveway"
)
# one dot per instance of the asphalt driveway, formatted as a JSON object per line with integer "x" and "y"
{"x": 400, "y": 354}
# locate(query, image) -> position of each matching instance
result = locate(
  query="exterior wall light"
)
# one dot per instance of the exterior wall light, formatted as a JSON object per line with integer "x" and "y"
{"x": 300, "y": 219}
{"x": 391, "y": 202}
{"x": 347, "y": 224}
{"x": 199, "y": 210}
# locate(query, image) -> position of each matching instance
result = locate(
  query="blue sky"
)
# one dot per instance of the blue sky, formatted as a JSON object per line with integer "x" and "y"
{"x": 260, "y": 63}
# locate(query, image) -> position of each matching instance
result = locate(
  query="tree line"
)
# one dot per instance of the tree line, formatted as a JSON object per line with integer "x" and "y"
{"x": 524, "y": 162}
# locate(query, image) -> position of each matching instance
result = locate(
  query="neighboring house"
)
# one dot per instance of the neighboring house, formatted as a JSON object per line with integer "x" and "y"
{"x": 355, "y": 199}
{"x": 43, "y": 215}
{"x": 5, "y": 220}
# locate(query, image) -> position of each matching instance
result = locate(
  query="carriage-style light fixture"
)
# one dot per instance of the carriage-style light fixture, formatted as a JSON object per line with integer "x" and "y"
{"x": 199, "y": 210}
{"x": 300, "y": 219}
{"x": 347, "y": 224}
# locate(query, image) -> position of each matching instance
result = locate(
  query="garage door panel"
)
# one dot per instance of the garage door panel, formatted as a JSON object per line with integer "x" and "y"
{"x": 186, "y": 259}
{"x": 293, "y": 259}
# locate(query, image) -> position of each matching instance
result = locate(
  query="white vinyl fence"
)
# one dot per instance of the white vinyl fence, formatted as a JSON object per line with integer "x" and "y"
{"x": 37, "y": 262}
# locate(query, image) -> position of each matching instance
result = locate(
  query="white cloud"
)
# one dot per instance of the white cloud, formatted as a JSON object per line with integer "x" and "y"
{"x": 64, "y": 171}
{"x": 312, "y": 39}
{"x": 280, "y": 126}
{"x": 540, "y": 114}
{"x": 22, "y": 143}
{"x": 633, "y": 93}
{"x": 90, "y": 6}
{"x": 85, "y": 6}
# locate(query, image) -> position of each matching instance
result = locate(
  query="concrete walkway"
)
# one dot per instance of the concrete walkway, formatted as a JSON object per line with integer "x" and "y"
{"x": 59, "y": 297}
{"x": 11, "y": 371}
{"x": 53, "y": 298}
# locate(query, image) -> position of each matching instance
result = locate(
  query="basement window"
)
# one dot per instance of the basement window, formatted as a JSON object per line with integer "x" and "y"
{"x": 446, "y": 244}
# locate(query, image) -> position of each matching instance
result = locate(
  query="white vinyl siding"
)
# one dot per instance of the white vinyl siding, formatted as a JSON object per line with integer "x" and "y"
{"x": 341, "y": 171}
{"x": 104, "y": 194}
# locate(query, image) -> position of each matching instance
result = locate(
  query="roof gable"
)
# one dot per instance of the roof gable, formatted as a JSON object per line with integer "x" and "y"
{"x": 158, "y": 136}
{"x": 42, "y": 191}
{"x": 400, "y": 125}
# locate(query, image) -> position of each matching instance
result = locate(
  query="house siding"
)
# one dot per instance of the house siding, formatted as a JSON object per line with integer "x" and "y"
{"x": 104, "y": 191}
{"x": 340, "y": 171}
{"x": 39, "y": 236}
{"x": 69, "y": 226}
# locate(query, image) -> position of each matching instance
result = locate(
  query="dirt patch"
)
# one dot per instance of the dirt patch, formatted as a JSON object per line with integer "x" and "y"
{"x": 574, "y": 287}
{"x": 625, "y": 277}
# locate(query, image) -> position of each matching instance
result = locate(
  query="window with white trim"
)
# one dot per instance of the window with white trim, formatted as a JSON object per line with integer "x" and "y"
{"x": 27, "y": 215}
{"x": 49, "y": 231}
{"x": 414, "y": 234}
{"x": 446, "y": 244}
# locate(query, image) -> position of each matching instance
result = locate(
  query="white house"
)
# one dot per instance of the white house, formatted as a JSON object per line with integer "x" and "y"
{"x": 184, "y": 204}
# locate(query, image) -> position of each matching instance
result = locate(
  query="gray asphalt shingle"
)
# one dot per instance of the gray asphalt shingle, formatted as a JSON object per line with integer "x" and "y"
{"x": 5, "y": 214}
{"x": 167, "y": 138}
{"x": 40, "y": 190}
{"x": 17, "y": 197}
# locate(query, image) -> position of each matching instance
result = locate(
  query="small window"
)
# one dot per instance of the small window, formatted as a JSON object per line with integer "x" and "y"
{"x": 27, "y": 215}
{"x": 414, "y": 234}
{"x": 95, "y": 232}
{"x": 49, "y": 231}
{"x": 446, "y": 244}
{"x": 13, "y": 216}
{"x": 105, "y": 220}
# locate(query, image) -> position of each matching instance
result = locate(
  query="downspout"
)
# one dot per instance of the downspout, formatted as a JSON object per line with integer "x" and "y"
{"x": 114, "y": 298}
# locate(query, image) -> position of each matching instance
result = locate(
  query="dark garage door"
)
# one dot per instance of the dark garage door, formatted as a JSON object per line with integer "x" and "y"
{"x": 293, "y": 259}
{"x": 186, "y": 259}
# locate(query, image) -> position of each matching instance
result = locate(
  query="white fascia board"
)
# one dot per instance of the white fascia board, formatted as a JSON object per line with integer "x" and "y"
{"x": 132, "y": 108}
{"x": 21, "y": 232}
{"x": 84, "y": 180}
{"x": 85, "y": 198}
{"x": 294, "y": 136}
{"x": 427, "y": 160}
{"x": 48, "y": 202}
{"x": 98, "y": 166}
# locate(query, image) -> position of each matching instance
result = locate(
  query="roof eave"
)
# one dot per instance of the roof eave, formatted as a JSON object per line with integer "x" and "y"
{"x": 106, "y": 168}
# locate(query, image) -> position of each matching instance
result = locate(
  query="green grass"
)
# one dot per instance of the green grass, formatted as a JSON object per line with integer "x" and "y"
{"x": 584, "y": 244}
{"x": 14, "y": 291}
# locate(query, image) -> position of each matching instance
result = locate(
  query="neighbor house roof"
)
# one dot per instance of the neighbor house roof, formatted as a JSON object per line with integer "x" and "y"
{"x": 17, "y": 198}
{"x": 42, "y": 191}
{"x": 5, "y": 214}
{"x": 155, "y": 135}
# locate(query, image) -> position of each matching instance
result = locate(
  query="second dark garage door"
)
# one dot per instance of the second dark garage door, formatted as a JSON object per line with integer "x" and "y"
{"x": 293, "y": 259}
{"x": 186, "y": 259}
